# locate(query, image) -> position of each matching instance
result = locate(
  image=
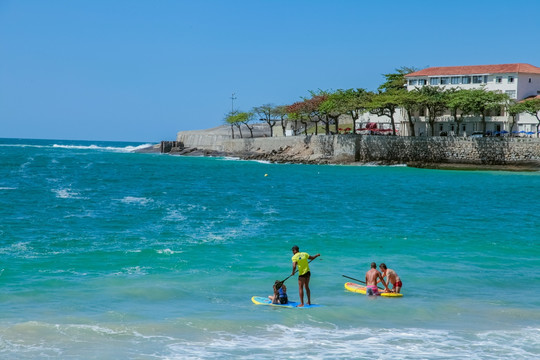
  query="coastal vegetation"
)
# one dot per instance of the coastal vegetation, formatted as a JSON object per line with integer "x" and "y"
{"x": 322, "y": 110}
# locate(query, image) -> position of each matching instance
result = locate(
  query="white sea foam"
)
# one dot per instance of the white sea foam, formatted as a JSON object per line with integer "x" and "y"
{"x": 129, "y": 148}
{"x": 7, "y": 188}
{"x": 135, "y": 148}
{"x": 24, "y": 145}
{"x": 24, "y": 165}
{"x": 197, "y": 207}
{"x": 136, "y": 200}
{"x": 41, "y": 340}
{"x": 168, "y": 252}
{"x": 232, "y": 158}
{"x": 66, "y": 193}
{"x": 20, "y": 249}
{"x": 83, "y": 214}
{"x": 332, "y": 343}
{"x": 62, "y": 271}
{"x": 103, "y": 148}
{"x": 175, "y": 215}
{"x": 133, "y": 270}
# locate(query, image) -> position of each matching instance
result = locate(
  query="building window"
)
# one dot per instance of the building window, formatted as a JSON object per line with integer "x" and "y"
{"x": 477, "y": 79}
{"x": 445, "y": 80}
{"x": 455, "y": 80}
{"x": 498, "y": 79}
{"x": 422, "y": 82}
{"x": 434, "y": 81}
{"x": 530, "y": 80}
{"x": 412, "y": 82}
{"x": 511, "y": 93}
{"x": 465, "y": 79}
{"x": 510, "y": 79}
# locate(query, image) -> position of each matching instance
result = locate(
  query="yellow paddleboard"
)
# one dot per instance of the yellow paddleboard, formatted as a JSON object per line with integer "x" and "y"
{"x": 361, "y": 289}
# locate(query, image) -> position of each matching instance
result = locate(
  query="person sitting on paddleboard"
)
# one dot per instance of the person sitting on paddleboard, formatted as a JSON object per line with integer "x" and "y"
{"x": 371, "y": 281}
{"x": 391, "y": 278}
{"x": 280, "y": 294}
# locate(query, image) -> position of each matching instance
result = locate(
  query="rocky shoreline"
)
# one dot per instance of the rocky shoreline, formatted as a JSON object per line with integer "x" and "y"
{"x": 289, "y": 155}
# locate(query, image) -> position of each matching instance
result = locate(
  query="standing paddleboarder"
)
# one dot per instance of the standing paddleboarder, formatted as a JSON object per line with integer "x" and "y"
{"x": 300, "y": 259}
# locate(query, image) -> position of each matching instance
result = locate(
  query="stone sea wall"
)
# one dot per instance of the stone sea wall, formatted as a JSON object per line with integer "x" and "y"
{"x": 489, "y": 150}
{"x": 388, "y": 149}
{"x": 202, "y": 141}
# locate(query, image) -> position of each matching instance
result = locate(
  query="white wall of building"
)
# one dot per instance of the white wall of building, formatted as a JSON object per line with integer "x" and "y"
{"x": 506, "y": 83}
{"x": 528, "y": 85}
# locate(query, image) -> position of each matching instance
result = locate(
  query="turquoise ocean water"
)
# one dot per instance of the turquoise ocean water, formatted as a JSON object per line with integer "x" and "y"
{"x": 107, "y": 254}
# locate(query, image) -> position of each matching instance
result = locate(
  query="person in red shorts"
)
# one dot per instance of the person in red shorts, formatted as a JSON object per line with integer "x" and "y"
{"x": 391, "y": 277}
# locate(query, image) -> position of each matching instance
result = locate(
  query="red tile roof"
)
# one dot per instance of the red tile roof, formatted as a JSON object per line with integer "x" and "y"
{"x": 477, "y": 69}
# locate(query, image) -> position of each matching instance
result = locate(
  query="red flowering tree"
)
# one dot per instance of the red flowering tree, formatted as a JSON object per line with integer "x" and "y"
{"x": 297, "y": 112}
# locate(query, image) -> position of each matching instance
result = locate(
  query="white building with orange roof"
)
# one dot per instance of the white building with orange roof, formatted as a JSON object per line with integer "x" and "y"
{"x": 518, "y": 81}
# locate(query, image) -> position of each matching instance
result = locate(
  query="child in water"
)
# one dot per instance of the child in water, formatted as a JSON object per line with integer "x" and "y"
{"x": 280, "y": 293}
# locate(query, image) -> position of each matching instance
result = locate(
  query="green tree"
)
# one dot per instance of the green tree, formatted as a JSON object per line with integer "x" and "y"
{"x": 484, "y": 101}
{"x": 396, "y": 81}
{"x": 532, "y": 106}
{"x": 232, "y": 120}
{"x": 281, "y": 112}
{"x": 297, "y": 112}
{"x": 460, "y": 101}
{"x": 434, "y": 99}
{"x": 330, "y": 108}
{"x": 246, "y": 118}
{"x": 269, "y": 114}
{"x": 237, "y": 119}
{"x": 410, "y": 101}
{"x": 352, "y": 102}
{"x": 312, "y": 107}
{"x": 514, "y": 108}
{"x": 385, "y": 104}
{"x": 392, "y": 94}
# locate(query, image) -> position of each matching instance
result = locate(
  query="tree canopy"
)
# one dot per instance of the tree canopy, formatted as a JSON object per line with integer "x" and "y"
{"x": 532, "y": 106}
{"x": 328, "y": 106}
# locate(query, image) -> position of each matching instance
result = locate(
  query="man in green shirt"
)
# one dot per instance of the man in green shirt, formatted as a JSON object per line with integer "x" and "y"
{"x": 300, "y": 259}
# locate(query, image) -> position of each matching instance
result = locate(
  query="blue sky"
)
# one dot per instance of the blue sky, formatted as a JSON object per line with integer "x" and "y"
{"x": 144, "y": 70}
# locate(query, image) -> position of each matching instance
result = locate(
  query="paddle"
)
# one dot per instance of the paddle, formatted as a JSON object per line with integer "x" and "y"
{"x": 280, "y": 284}
{"x": 363, "y": 282}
